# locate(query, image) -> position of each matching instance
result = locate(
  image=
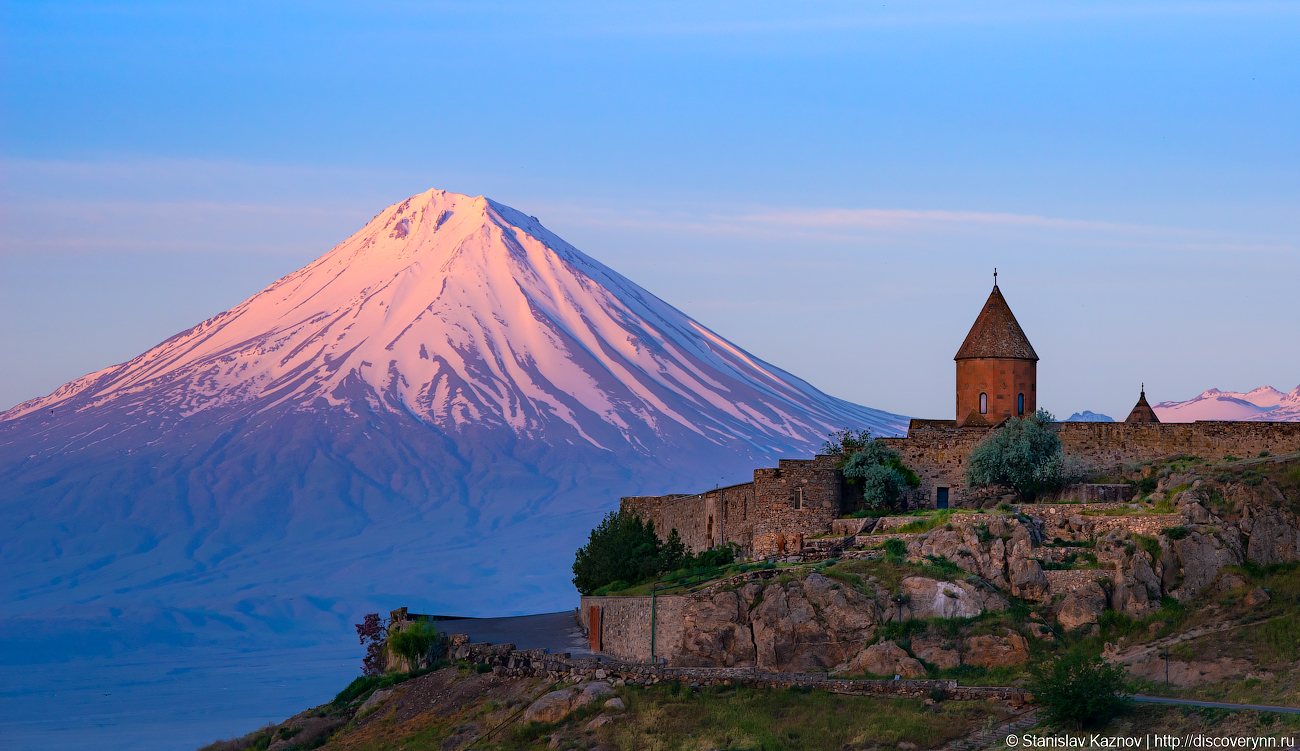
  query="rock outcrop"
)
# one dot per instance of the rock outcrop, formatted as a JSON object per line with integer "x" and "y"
{"x": 887, "y": 659}
{"x": 556, "y": 705}
{"x": 1081, "y": 607}
{"x": 1028, "y": 582}
{"x": 936, "y": 650}
{"x": 990, "y": 651}
{"x": 1201, "y": 554}
{"x": 809, "y": 624}
{"x": 930, "y": 598}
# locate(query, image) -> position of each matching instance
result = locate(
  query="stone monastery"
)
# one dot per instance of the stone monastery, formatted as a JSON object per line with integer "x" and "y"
{"x": 997, "y": 379}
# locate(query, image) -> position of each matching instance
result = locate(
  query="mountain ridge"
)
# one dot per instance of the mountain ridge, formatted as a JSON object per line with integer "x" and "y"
{"x": 442, "y": 404}
{"x": 1263, "y": 404}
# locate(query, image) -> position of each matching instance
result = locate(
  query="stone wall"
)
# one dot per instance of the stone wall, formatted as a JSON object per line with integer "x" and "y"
{"x": 1065, "y": 582}
{"x": 938, "y": 452}
{"x": 938, "y": 456}
{"x": 1109, "y": 444}
{"x": 625, "y": 624}
{"x": 772, "y": 515}
{"x": 515, "y": 663}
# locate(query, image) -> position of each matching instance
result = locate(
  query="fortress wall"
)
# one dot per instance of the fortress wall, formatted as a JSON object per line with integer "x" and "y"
{"x": 938, "y": 457}
{"x": 625, "y": 625}
{"x": 704, "y": 520}
{"x": 780, "y": 528}
{"x": 1108, "y": 444}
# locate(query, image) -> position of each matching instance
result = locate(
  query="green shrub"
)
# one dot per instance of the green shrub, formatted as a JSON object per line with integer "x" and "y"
{"x": 1177, "y": 533}
{"x": 1005, "y": 508}
{"x": 1077, "y": 690}
{"x": 414, "y": 642}
{"x": 1263, "y": 454}
{"x": 1149, "y": 544}
{"x": 1024, "y": 454}
{"x": 925, "y": 524}
{"x": 880, "y": 472}
{"x": 895, "y": 548}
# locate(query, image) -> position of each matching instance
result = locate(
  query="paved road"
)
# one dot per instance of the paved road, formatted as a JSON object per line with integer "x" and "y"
{"x": 1221, "y": 705}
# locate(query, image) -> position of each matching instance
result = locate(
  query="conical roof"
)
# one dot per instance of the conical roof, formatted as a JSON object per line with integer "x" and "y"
{"x": 996, "y": 333}
{"x": 1142, "y": 411}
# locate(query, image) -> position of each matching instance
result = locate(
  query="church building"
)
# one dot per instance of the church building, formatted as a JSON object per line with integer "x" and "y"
{"x": 997, "y": 380}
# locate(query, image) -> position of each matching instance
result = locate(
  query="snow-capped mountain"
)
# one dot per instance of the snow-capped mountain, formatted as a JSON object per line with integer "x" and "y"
{"x": 459, "y": 311}
{"x": 1265, "y": 404}
{"x": 433, "y": 414}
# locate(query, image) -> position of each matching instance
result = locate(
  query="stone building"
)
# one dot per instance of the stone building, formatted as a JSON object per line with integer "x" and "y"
{"x": 997, "y": 368}
{"x": 997, "y": 371}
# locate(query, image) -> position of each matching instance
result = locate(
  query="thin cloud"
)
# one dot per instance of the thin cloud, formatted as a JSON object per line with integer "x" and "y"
{"x": 850, "y": 224}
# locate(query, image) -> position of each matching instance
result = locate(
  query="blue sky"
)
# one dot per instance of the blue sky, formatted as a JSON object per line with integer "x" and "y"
{"x": 827, "y": 185}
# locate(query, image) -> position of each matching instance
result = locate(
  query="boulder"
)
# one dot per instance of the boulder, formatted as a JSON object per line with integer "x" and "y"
{"x": 990, "y": 651}
{"x": 1137, "y": 593}
{"x": 1082, "y": 606}
{"x": 1028, "y": 582}
{"x": 377, "y": 697}
{"x": 1257, "y": 597}
{"x": 599, "y": 720}
{"x": 848, "y": 613}
{"x": 1201, "y": 554}
{"x": 1274, "y": 538}
{"x": 1229, "y": 582}
{"x": 716, "y": 632}
{"x": 937, "y": 651}
{"x": 551, "y": 707}
{"x": 1041, "y": 631}
{"x": 615, "y": 704}
{"x": 930, "y": 598}
{"x": 887, "y": 659}
{"x": 592, "y": 692}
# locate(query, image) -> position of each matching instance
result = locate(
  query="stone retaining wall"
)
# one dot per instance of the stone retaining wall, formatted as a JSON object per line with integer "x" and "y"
{"x": 1064, "y": 582}
{"x": 507, "y": 661}
{"x": 628, "y": 625}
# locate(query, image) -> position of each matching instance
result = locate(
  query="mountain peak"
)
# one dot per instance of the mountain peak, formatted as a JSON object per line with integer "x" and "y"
{"x": 462, "y": 311}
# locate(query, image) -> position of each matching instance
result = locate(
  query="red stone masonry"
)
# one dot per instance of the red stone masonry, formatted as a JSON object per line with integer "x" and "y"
{"x": 995, "y": 360}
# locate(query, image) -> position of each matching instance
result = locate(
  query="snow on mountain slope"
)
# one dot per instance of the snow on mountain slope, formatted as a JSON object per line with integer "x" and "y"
{"x": 459, "y": 311}
{"x": 433, "y": 414}
{"x": 1262, "y": 404}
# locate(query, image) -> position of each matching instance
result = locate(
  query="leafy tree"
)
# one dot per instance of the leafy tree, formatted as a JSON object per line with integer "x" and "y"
{"x": 373, "y": 633}
{"x": 414, "y": 642}
{"x": 846, "y": 441}
{"x": 673, "y": 555}
{"x": 621, "y": 548}
{"x": 880, "y": 471}
{"x": 1024, "y": 454}
{"x": 1078, "y": 689}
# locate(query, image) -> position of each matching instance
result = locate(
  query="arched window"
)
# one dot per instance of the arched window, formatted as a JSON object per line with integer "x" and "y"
{"x": 1020, "y": 404}
{"x": 798, "y": 497}
{"x": 984, "y": 404}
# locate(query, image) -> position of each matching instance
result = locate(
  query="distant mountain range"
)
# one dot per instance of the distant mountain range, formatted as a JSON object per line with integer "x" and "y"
{"x": 434, "y": 413}
{"x": 1088, "y": 416}
{"x": 1264, "y": 404}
